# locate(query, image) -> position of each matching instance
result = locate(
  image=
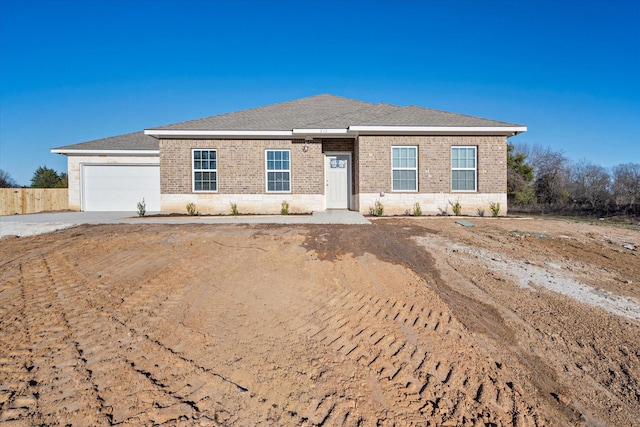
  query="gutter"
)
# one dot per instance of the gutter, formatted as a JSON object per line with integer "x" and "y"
{"x": 438, "y": 130}
{"x": 172, "y": 133}
{"x": 107, "y": 152}
{"x": 351, "y": 131}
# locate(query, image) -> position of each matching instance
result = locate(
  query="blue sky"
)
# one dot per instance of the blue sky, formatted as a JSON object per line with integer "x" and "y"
{"x": 77, "y": 70}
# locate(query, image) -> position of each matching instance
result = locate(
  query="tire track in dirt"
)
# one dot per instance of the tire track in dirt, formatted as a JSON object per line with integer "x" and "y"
{"x": 64, "y": 360}
{"x": 154, "y": 382}
{"x": 213, "y": 393}
{"x": 18, "y": 396}
{"x": 408, "y": 357}
{"x": 58, "y": 374}
{"x": 137, "y": 328}
{"x": 287, "y": 394}
{"x": 557, "y": 339}
{"x": 450, "y": 364}
{"x": 127, "y": 395}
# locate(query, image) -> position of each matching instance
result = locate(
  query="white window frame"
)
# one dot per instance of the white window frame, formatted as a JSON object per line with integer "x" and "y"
{"x": 405, "y": 168}
{"x": 194, "y": 170}
{"x": 474, "y": 169}
{"x": 267, "y": 170}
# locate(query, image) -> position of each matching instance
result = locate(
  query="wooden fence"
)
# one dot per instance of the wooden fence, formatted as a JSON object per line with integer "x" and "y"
{"x": 32, "y": 200}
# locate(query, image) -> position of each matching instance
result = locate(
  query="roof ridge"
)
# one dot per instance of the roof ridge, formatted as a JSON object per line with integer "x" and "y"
{"x": 282, "y": 103}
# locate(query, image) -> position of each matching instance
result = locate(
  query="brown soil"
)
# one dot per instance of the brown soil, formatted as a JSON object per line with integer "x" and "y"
{"x": 403, "y": 322}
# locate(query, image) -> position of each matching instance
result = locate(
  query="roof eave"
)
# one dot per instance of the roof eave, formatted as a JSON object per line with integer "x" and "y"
{"x": 105, "y": 152}
{"x": 321, "y": 132}
{"x": 199, "y": 134}
{"x": 438, "y": 130}
{"x": 351, "y": 131}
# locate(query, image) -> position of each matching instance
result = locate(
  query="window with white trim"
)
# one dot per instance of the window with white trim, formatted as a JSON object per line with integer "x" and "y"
{"x": 404, "y": 168}
{"x": 463, "y": 168}
{"x": 205, "y": 170}
{"x": 278, "y": 171}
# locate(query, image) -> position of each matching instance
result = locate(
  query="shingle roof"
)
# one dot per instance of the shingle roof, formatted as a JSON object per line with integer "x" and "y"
{"x": 283, "y": 116}
{"x": 129, "y": 141}
{"x": 363, "y": 116}
{"x": 330, "y": 111}
{"x": 419, "y": 116}
{"x": 315, "y": 112}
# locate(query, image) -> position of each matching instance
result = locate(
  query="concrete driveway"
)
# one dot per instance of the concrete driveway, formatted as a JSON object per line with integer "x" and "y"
{"x": 33, "y": 224}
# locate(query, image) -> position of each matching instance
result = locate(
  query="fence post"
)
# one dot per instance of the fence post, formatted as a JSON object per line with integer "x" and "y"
{"x": 23, "y": 201}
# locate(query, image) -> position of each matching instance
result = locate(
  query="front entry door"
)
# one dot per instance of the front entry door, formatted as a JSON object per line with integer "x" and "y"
{"x": 337, "y": 181}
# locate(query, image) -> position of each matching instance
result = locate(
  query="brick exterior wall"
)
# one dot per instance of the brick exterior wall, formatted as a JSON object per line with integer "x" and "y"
{"x": 434, "y": 162}
{"x": 241, "y": 165}
{"x": 241, "y": 171}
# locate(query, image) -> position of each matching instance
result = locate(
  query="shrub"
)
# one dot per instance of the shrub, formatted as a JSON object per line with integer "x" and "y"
{"x": 480, "y": 211}
{"x": 456, "y": 207}
{"x": 284, "y": 208}
{"x": 234, "y": 209}
{"x": 191, "y": 209}
{"x": 417, "y": 210}
{"x": 377, "y": 209}
{"x": 142, "y": 208}
{"x": 495, "y": 208}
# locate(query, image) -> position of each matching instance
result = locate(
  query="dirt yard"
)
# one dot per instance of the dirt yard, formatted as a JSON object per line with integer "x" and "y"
{"x": 423, "y": 322}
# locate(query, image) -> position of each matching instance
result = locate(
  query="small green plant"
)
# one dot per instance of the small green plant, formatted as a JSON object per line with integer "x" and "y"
{"x": 377, "y": 209}
{"x": 495, "y": 208}
{"x": 142, "y": 208}
{"x": 191, "y": 209}
{"x": 234, "y": 209}
{"x": 284, "y": 208}
{"x": 456, "y": 207}
{"x": 417, "y": 210}
{"x": 480, "y": 211}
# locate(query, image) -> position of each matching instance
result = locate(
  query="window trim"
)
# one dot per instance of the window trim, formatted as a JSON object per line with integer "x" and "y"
{"x": 194, "y": 170}
{"x": 416, "y": 168}
{"x": 474, "y": 169}
{"x": 267, "y": 170}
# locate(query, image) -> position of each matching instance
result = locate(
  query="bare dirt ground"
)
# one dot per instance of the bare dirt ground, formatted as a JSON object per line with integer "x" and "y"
{"x": 403, "y": 322}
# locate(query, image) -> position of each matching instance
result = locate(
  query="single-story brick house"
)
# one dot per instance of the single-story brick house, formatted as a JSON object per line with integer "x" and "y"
{"x": 316, "y": 153}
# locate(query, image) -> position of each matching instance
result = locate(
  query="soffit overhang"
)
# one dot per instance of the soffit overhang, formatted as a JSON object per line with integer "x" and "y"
{"x": 350, "y": 132}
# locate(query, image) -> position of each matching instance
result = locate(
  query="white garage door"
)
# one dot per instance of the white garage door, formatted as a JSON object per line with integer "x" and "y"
{"x": 120, "y": 187}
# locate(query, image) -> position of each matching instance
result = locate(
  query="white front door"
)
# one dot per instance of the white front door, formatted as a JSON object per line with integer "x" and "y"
{"x": 336, "y": 170}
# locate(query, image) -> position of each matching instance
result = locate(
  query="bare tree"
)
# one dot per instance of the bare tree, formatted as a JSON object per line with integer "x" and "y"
{"x": 6, "y": 181}
{"x": 560, "y": 184}
{"x": 590, "y": 185}
{"x": 551, "y": 174}
{"x": 626, "y": 186}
